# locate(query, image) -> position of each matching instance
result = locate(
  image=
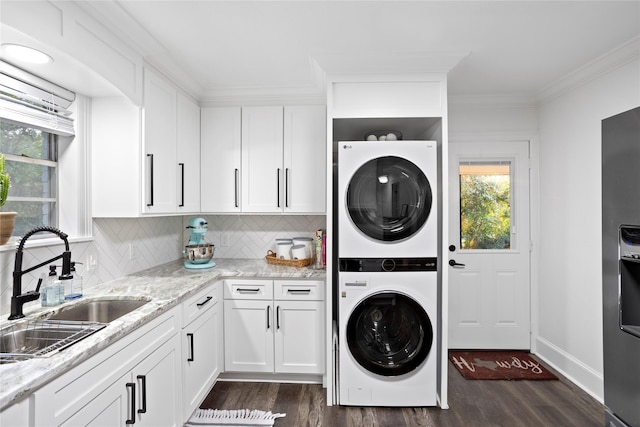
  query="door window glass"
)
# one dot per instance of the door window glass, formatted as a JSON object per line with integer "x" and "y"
{"x": 485, "y": 205}
{"x": 389, "y": 334}
{"x": 389, "y": 198}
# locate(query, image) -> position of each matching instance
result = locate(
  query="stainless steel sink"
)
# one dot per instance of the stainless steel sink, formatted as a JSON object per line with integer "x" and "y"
{"x": 103, "y": 311}
{"x": 34, "y": 338}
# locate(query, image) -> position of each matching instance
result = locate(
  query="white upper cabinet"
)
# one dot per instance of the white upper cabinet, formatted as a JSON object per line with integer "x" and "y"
{"x": 264, "y": 159}
{"x": 146, "y": 161}
{"x": 159, "y": 136}
{"x": 262, "y": 169}
{"x": 221, "y": 159}
{"x": 305, "y": 151}
{"x": 188, "y": 155}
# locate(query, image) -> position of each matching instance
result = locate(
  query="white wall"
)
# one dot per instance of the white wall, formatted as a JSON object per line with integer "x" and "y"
{"x": 570, "y": 274}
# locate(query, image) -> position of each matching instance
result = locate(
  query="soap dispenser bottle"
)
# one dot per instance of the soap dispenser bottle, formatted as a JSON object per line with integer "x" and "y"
{"x": 51, "y": 291}
{"x": 73, "y": 285}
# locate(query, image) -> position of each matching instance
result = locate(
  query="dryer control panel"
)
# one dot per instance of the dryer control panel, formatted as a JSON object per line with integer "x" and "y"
{"x": 388, "y": 264}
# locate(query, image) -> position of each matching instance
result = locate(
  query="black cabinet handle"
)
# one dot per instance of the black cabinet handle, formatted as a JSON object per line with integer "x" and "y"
{"x": 132, "y": 420}
{"x": 143, "y": 392}
{"x": 245, "y": 290}
{"x": 200, "y": 304}
{"x": 286, "y": 188}
{"x": 190, "y": 338}
{"x": 278, "y": 317}
{"x": 150, "y": 156}
{"x": 236, "y": 178}
{"x": 453, "y": 263}
{"x": 278, "y": 186}
{"x": 268, "y": 316}
{"x": 182, "y": 184}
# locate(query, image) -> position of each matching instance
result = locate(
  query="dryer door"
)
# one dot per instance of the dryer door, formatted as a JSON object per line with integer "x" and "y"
{"x": 389, "y": 334}
{"x": 389, "y": 198}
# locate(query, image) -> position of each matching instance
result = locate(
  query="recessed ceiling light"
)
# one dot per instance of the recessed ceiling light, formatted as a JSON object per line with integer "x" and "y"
{"x": 26, "y": 54}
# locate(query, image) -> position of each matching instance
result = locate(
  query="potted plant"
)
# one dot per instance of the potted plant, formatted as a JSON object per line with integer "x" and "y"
{"x": 7, "y": 219}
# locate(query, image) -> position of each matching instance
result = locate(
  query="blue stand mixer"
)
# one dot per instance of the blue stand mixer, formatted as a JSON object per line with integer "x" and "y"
{"x": 199, "y": 252}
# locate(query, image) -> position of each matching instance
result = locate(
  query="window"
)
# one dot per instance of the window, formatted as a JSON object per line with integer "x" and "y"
{"x": 485, "y": 205}
{"x": 31, "y": 160}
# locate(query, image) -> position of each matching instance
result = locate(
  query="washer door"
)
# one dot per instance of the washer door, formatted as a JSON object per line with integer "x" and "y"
{"x": 389, "y": 198}
{"x": 389, "y": 334}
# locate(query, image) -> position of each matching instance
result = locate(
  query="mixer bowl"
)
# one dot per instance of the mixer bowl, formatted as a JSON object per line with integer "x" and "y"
{"x": 199, "y": 254}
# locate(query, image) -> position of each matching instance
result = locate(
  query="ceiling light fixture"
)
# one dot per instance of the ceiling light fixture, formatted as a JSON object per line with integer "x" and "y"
{"x": 25, "y": 54}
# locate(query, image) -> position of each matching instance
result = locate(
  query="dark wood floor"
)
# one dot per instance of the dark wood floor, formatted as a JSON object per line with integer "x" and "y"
{"x": 472, "y": 403}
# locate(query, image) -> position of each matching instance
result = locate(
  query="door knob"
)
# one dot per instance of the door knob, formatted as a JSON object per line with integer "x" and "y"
{"x": 453, "y": 263}
{"x": 452, "y": 248}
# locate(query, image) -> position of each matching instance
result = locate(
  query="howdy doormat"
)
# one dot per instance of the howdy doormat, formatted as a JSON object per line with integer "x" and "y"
{"x": 499, "y": 365}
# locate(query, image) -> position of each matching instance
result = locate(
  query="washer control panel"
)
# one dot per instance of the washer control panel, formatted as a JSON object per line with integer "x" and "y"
{"x": 388, "y": 264}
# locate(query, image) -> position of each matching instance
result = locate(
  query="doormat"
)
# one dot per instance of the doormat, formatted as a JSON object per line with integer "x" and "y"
{"x": 499, "y": 365}
{"x": 235, "y": 418}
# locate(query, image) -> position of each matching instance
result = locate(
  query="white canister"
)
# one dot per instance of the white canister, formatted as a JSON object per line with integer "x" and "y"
{"x": 308, "y": 244}
{"x": 283, "y": 250}
{"x": 299, "y": 252}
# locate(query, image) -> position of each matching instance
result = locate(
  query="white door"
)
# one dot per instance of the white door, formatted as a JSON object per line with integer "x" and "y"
{"x": 489, "y": 301}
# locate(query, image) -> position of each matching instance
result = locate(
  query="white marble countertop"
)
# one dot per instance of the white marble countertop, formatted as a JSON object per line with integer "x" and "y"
{"x": 165, "y": 286}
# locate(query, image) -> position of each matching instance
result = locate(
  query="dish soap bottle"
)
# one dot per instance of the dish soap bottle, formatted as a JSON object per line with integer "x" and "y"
{"x": 52, "y": 291}
{"x": 73, "y": 284}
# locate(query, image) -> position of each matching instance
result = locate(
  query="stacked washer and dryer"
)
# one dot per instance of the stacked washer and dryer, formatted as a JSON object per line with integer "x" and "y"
{"x": 388, "y": 290}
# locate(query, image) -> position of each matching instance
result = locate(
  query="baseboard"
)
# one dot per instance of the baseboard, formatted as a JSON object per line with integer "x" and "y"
{"x": 273, "y": 378}
{"x": 585, "y": 377}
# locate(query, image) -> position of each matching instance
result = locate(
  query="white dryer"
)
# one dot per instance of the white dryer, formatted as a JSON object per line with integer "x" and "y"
{"x": 388, "y": 335}
{"x": 387, "y": 199}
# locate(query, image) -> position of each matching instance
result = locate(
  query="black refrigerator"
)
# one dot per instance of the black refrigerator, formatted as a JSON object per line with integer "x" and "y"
{"x": 621, "y": 267}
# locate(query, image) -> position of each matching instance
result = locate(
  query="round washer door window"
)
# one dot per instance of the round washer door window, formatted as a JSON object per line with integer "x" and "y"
{"x": 389, "y": 198}
{"x": 389, "y": 334}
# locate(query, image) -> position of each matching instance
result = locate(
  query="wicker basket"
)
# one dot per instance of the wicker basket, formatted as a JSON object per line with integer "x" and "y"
{"x": 274, "y": 260}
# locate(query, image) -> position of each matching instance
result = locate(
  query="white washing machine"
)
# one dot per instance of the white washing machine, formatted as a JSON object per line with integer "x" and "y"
{"x": 387, "y": 198}
{"x": 388, "y": 334}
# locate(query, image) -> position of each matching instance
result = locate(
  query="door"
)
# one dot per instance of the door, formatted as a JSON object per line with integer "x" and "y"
{"x": 262, "y": 171}
{"x": 221, "y": 159}
{"x": 188, "y": 154}
{"x": 305, "y": 145}
{"x": 489, "y": 236}
{"x": 248, "y": 341}
{"x": 389, "y": 334}
{"x": 299, "y": 337}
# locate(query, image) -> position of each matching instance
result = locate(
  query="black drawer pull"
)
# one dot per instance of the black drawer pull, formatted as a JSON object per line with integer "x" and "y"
{"x": 299, "y": 291}
{"x": 200, "y": 304}
{"x": 253, "y": 291}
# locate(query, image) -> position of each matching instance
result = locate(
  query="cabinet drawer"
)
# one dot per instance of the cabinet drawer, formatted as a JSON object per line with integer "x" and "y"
{"x": 201, "y": 302}
{"x": 311, "y": 290}
{"x": 248, "y": 289}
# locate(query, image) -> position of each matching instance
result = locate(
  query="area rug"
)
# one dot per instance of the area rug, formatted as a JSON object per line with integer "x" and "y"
{"x": 499, "y": 365}
{"x": 235, "y": 418}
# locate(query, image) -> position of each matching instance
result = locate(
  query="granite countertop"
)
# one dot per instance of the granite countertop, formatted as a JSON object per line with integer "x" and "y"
{"x": 165, "y": 286}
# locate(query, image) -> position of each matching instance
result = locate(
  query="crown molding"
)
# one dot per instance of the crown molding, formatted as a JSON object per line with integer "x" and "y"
{"x": 616, "y": 58}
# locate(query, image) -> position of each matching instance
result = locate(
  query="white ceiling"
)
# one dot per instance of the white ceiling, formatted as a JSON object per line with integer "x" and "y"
{"x": 232, "y": 49}
{"x": 219, "y": 48}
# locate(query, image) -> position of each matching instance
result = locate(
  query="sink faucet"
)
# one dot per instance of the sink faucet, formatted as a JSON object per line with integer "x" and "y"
{"x": 19, "y": 299}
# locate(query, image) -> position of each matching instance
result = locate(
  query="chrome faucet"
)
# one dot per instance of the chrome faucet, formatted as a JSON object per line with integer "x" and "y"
{"x": 19, "y": 299}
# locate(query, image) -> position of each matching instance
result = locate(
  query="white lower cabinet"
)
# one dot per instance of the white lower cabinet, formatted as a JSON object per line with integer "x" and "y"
{"x": 202, "y": 353}
{"x": 274, "y": 326}
{"x": 134, "y": 381}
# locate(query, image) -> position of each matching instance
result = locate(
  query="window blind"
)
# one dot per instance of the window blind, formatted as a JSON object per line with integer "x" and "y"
{"x": 26, "y": 98}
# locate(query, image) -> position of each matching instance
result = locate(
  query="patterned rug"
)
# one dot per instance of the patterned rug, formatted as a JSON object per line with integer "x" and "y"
{"x": 234, "y": 418}
{"x": 499, "y": 365}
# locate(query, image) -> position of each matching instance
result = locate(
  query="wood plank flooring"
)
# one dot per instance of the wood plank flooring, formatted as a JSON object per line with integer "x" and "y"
{"x": 472, "y": 403}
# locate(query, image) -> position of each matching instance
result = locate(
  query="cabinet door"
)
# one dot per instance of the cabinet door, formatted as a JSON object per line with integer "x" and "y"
{"x": 159, "y": 138}
{"x": 188, "y": 155}
{"x": 221, "y": 159}
{"x": 112, "y": 407}
{"x": 248, "y": 340}
{"x": 201, "y": 357}
{"x": 158, "y": 386}
{"x": 305, "y": 153}
{"x": 299, "y": 334}
{"x": 262, "y": 171}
